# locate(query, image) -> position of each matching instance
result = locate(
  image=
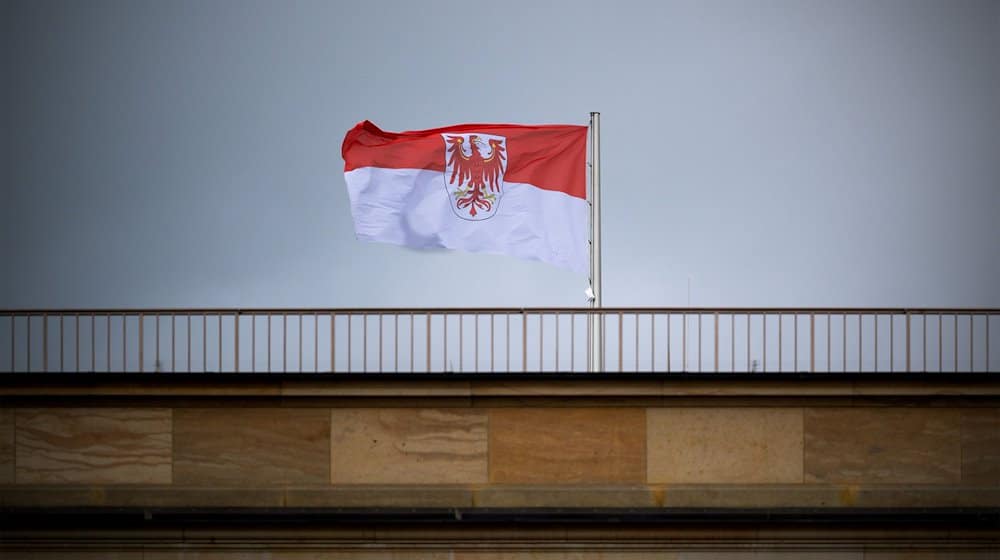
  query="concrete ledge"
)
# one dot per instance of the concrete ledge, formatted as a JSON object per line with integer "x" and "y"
{"x": 146, "y": 496}
{"x": 380, "y": 497}
{"x": 982, "y": 518}
{"x": 568, "y": 497}
{"x": 490, "y": 388}
{"x": 679, "y": 497}
{"x": 754, "y": 496}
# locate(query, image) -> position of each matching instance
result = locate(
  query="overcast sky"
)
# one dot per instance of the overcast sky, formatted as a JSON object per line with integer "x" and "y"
{"x": 789, "y": 153}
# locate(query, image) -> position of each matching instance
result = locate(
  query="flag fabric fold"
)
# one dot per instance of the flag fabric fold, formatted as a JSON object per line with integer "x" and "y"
{"x": 517, "y": 190}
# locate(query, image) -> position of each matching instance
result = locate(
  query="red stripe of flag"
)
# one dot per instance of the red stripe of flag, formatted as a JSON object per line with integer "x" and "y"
{"x": 551, "y": 157}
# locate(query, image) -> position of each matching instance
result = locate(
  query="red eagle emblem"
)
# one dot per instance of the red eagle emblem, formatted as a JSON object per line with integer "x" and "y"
{"x": 474, "y": 169}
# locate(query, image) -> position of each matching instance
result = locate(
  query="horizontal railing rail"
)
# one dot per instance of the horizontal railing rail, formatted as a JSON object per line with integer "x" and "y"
{"x": 479, "y": 339}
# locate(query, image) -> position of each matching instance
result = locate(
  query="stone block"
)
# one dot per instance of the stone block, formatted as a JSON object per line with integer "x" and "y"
{"x": 981, "y": 446}
{"x": 567, "y": 445}
{"x": 408, "y": 446}
{"x": 883, "y": 445}
{"x": 725, "y": 445}
{"x": 6, "y": 445}
{"x": 251, "y": 446}
{"x": 93, "y": 446}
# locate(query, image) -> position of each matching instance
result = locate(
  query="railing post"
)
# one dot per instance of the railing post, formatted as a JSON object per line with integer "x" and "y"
{"x": 668, "y": 342}
{"x": 652, "y": 342}
{"x": 748, "y": 343}
{"x": 716, "y": 367}
{"x": 699, "y": 341}
{"x": 27, "y": 325}
{"x": 940, "y": 323}
{"x": 795, "y": 342}
{"x": 76, "y": 362}
{"x": 333, "y": 342}
{"x": 829, "y": 338}
{"x": 61, "y": 344}
{"x": 843, "y": 347}
{"x": 602, "y": 346}
{"x": 860, "y": 345}
{"x": 684, "y": 341}
{"x": 141, "y": 349}
{"x": 636, "y": 342}
{"x": 763, "y": 359}
{"x": 907, "y": 341}
{"x": 875, "y": 316}
{"x": 27, "y": 322}
{"x": 812, "y": 343}
{"x": 506, "y": 324}
{"x": 557, "y": 341}
{"x": 620, "y": 349}
{"x": 107, "y": 316}
{"x": 524, "y": 341}
{"x": 461, "y": 340}
{"x": 236, "y": 341}
{"x": 541, "y": 338}
{"x": 781, "y": 353}
{"x": 572, "y": 343}
{"x": 204, "y": 342}
{"x": 892, "y": 342}
{"x": 45, "y": 342}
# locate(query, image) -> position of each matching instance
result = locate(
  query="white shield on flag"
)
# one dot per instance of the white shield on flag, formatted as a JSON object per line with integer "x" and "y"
{"x": 475, "y": 164}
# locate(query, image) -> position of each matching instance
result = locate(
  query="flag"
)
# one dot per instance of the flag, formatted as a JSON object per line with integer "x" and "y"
{"x": 517, "y": 190}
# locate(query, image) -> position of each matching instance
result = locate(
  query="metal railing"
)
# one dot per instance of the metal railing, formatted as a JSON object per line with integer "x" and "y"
{"x": 491, "y": 339}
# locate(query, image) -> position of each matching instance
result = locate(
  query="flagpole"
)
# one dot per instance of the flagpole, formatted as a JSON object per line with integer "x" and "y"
{"x": 596, "y": 323}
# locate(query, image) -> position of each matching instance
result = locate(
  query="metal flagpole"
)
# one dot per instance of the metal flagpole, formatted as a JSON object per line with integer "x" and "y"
{"x": 596, "y": 323}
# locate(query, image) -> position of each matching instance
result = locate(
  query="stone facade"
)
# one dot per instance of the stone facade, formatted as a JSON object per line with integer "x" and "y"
{"x": 505, "y": 445}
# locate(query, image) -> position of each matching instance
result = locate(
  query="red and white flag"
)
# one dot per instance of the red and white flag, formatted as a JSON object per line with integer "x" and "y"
{"x": 517, "y": 190}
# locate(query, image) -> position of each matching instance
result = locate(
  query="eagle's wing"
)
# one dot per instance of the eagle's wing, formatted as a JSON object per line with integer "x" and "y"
{"x": 458, "y": 161}
{"x": 493, "y": 166}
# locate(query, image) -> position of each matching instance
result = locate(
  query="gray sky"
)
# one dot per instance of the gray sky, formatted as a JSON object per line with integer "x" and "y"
{"x": 799, "y": 153}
